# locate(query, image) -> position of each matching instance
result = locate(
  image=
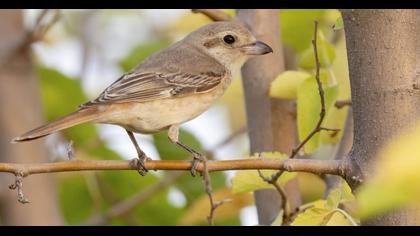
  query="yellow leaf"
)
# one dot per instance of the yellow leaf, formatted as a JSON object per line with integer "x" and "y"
{"x": 320, "y": 214}
{"x": 200, "y": 209}
{"x": 396, "y": 177}
{"x": 285, "y": 85}
{"x": 249, "y": 180}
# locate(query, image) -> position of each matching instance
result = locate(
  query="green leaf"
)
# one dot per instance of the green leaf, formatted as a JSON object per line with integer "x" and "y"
{"x": 309, "y": 107}
{"x": 338, "y": 24}
{"x": 249, "y": 180}
{"x": 285, "y": 85}
{"x": 326, "y": 54}
{"x": 141, "y": 52}
{"x": 396, "y": 176}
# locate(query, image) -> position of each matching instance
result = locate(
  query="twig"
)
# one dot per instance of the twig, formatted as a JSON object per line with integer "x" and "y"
{"x": 207, "y": 182}
{"x": 213, "y": 14}
{"x": 342, "y": 103}
{"x": 127, "y": 205}
{"x": 284, "y": 202}
{"x": 37, "y": 33}
{"x": 39, "y": 30}
{"x": 18, "y": 185}
{"x": 273, "y": 179}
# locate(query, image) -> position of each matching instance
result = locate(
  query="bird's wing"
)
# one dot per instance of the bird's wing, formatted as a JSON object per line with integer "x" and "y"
{"x": 146, "y": 86}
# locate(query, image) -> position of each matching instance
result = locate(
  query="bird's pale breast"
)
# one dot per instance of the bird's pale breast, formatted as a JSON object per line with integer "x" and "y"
{"x": 154, "y": 116}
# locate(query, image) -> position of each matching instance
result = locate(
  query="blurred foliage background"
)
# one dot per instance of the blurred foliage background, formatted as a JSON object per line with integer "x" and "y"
{"x": 86, "y": 50}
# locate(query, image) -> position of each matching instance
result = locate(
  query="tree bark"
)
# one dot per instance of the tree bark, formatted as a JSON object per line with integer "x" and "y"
{"x": 383, "y": 52}
{"x": 21, "y": 111}
{"x": 271, "y": 123}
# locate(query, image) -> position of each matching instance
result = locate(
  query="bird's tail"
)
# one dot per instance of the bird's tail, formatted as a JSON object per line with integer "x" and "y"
{"x": 81, "y": 116}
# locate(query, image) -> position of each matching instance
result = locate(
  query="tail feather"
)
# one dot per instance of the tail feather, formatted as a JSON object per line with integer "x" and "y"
{"x": 75, "y": 118}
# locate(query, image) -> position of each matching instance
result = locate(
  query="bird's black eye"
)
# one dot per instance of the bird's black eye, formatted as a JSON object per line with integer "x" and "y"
{"x": 229, "y": 39}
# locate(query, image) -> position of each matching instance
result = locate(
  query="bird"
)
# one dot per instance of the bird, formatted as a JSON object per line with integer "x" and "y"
{"x": 170, "y": 87}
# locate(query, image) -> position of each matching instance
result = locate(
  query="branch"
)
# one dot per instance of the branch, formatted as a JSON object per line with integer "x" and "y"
{"x": 127, "y": 205}
{"x": 213, "y": 14}
{"x": 318, "y": 127}
{"x": 342, "y": 103}
{"x": 291, "y": 165}
{"x": 37, "y": 33}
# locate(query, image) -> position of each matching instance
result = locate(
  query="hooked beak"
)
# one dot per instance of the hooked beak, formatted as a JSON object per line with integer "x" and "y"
{"x": 257, "y": 48}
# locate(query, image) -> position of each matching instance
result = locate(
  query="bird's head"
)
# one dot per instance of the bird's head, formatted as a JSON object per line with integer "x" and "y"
{"x": 229, "y": 42}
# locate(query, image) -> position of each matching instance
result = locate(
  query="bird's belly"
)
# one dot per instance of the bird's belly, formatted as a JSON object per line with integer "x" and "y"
{"x": 154, "y": 116}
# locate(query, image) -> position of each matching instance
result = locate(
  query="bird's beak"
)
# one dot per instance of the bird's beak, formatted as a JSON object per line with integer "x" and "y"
{"x": 257, "y": 48}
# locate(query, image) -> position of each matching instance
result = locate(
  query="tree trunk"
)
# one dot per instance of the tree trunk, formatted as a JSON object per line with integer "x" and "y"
{"x": 383, "y": 51}
{"x": 21, "y": 111}
{"x": 271, "y": 123}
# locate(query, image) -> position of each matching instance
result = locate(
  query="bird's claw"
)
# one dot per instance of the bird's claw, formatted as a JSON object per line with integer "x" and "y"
{"x": 139, "y": 163}
{"x": 197, "y": 158}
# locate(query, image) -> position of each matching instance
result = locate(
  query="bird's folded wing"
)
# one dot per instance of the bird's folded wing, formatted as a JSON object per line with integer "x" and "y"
{"x": 146, "y": 86}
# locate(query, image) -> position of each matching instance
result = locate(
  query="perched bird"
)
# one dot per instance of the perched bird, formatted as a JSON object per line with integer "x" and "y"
{"x": 169, "y": 88}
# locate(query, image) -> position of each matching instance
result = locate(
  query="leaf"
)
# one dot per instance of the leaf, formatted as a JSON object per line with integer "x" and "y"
{"x": 309, "y": 107}
{"x": 297, "y": 27}
{"x": 396, "y": 175}
{"x": 285, "y": 85}
{"x": 339, "y": 24}
{"x": 200, "y": 209}
{"x": 326, "y": 54}
{"x": 279, "y": 219}
{"x": 333, "y": 198}
{"x": 249, "y": 180}
{"x": 321, "y": 214}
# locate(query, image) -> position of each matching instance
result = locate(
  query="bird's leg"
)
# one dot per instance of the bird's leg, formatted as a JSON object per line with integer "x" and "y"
{"x": 173, "y": 134}
{"x": 139, "y": 162}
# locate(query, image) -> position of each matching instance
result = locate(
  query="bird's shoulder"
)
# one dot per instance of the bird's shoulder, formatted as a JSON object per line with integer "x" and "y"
{"x": 176, "y": 71}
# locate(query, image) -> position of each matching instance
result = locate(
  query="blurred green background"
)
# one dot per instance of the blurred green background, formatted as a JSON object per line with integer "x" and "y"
{"x": 86, "y": 50}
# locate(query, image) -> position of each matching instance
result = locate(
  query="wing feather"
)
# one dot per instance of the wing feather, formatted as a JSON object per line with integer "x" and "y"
{"x": 146, "y": 86}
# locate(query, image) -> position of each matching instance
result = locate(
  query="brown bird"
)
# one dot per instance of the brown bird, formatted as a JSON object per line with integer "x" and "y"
{"x": 169, "y": 88}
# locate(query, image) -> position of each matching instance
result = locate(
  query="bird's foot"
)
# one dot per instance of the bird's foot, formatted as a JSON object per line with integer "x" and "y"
{"x": 139, "y": 163}
{"x": 197, "y": 158}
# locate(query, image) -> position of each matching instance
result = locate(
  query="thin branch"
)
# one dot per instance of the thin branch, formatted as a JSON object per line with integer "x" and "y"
{"x": 284, "y": 202}
{"x": 342, "y": 103}
{"x": 18, "y": 185}
{"x": 39, "y": 30}
{"x": 213, "y": 14}
{"x": 273, "y": 179}
{"x": 127, "y": 205}
{"x": 319, "y": 167}
{"x": 207, "y": 182}
{"x": 37, "y": 33}
{"x": 292, "y": 165}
